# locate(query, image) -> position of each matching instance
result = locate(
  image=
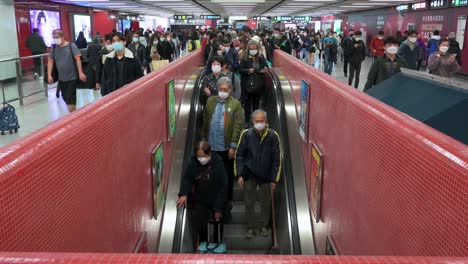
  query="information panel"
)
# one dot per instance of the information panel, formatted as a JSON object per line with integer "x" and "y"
{"x": 419, "y": 6}
{"x": 402, "y": 8}
{"x": 183, "y": 17}
{"x": 456, "y": 3}
{"x": 434, "y": 4}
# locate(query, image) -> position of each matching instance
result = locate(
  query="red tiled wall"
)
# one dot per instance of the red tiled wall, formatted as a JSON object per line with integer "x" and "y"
{"x": 392, "y": 185}
{"x": 83, "y": 183}
{"x": 201, "y": 258}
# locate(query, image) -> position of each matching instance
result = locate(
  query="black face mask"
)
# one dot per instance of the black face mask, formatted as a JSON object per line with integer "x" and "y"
{"x": 351, "y": 35}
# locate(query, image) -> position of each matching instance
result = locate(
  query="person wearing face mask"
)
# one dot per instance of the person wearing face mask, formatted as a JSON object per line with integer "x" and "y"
{"x": 205, "y": 182}
{"x": 121, "y": 67}
{"x": 210, "y": 48}
{"x": 454, "y": 47}
{"x": 137, "y": 48}
{"x": 386, "y": 66}
{"x": 377, "y": 45}
{"x": 285, "y": 44}
{"x": 443, "y": 63}
{"x": 410, "y": 51}
{"x": 165, "y": 49}
{"x": 194, "y": 42}
{"x": 330, "y": 44}
{"x": 258, "y": 170}
{"x": 357, "y": 54}
{"x": 66, "y": 57}
{"x": 305, "y": 47}
{"x": 230, "y": 55}
{"x": 93, "y": 59}
{"x": 209, "y": 82}
{"x": 223, "y": 120}
{"x": 346, "y": 45}
{"x": 253, "y": 68}
{"x": 106, "y": 49}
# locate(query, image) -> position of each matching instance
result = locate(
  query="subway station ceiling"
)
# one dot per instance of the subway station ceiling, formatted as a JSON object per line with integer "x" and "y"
{"x": 168, "y": 8}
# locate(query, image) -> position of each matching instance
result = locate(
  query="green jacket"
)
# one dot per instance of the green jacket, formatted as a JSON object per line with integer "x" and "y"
{"x": 377, "y": 73}
{"x": 234, "y": 119}
{"x": 36, "y": 43}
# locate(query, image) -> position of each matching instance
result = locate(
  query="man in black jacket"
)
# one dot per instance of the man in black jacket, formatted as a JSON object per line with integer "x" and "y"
{"x": 357, "y": 54}
{"x": 210, "y": 48}
{"x": 258, "y": 163}
{"x": 345, "y": 45}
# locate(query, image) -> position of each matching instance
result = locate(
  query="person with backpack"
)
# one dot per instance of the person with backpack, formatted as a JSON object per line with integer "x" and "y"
{"x": 203, "y": 191}
{"x": 433, "y": 44}
{"x": 330, "y": 45}
{"x": 357, "y": 54}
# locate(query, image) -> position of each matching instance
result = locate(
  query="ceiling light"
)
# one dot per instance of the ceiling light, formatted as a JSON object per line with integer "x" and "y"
{"x": 364, "y": 4}
{"x": 239, "y": 1}
{"x": 357, "y": 6}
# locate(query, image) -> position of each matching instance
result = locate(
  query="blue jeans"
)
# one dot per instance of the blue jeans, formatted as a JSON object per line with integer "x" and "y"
{"x": 328, "y": 65}
{"x": 304, "y": 55}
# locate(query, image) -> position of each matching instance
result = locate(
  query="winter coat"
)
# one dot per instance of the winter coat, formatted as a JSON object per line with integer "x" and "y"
{"x": 81, "y": 43}
{"x": 259, "y": 156}
{"x": 165, "y": 50}
{"x": 411, "y": 55}
{"x": 377, "y": 45}
{"x": 233, "y": 119}
{"x": 346, "y": 45}
{"x": 209, "y": 182}
{"x": 454, "y": 48}
{"x": 253, "y": 83}
{"x": 131, "y": 71}
{"x": 378, "y": 73}
{"x": 443, "y": 66}
{"x": 232, "y": 60}
{"x": 357, "y": 54}
{"x": 101, "y": 60}
{"x": 433, "y": 45}
{"x": 138, "y": 53}
{"x": 36, "y": 44}
{"x": 93, "y": 54}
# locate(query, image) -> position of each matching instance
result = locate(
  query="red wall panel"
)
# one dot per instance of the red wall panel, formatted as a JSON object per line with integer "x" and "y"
{"x": 83, "y": 183}
{"x": 423, "y": 21}
{"x": 102, "y": 23}
{"x": 391, "y": 185}
{"x": 200, "y": 258}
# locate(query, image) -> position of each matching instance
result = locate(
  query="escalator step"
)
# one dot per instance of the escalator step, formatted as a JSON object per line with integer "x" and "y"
{"x": 235, "y": 239}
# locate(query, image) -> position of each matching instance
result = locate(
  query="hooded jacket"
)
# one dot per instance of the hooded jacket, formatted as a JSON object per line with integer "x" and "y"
{"x": 131, "y": 70}
{"x": 433, "y": 45}
{"x": 259, "y": 156}
{"x": 410, "y": 54}
{"x": 209, "y": 182}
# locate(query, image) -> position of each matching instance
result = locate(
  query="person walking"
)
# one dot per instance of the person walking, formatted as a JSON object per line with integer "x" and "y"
{"x": 66, "y": 57}
{"x": 410, "y": 51}
{"x": 205, "y": 180}
{"x": 258, "y": 170}
{"x": 223, "y": 120}
{"x": 443, "y": 63}
{"x": 106, "y": 49}
{"x": 346, "y": 46}
{"x": 357, "y": 54}
{"x": 81, "y": 41}
{"x": 386, "y": 66}
{"x": 377, "y": 45}
{"x": 330, "y": 44}
{"x": 36, "y": 45}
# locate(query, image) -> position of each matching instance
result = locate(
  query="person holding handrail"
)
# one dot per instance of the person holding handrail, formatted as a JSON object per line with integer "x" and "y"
{"x": 36, "y": 45}
{"x": 258, "y": 168}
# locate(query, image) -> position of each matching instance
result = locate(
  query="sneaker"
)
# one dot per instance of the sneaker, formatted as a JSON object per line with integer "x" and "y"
{"x": 220, "y": 249}
{"x": 265, "y": 231}
{"x": 250, "y": 234}
{"x": 202, "y": 248}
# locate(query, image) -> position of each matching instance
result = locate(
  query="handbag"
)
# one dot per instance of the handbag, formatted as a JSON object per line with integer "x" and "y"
{"x": 156, "y": 64}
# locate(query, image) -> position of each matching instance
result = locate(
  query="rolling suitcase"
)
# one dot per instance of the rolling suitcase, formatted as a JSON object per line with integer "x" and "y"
{"x": 213, "y": 247}
{"x": 8, "y": 118}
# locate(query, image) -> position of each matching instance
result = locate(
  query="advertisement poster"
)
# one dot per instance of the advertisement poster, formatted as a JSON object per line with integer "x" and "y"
{"x": 83, "y": 23}
{"x": 46, "y": 22}
{"x": 304, "y": 111}
{"x": 460, "y": 36}
{"x": 316, "y": 182}
{"x": 171, "y": 111}
{"x": 159, "y": 194}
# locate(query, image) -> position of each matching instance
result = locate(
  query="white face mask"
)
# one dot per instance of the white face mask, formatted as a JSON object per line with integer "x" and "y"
{"x": 253, "y": 52}
{"x": 444, "y": 49}
{"x": 380, "y": 37}
{"x": 216, "y": 68}
{"x": 392, "y": 50}
{"x": 237, "y": 48}
{"x": 109, "y": 47}
{"x": 203, "y": 160}
{"x": 57, "y": 41}
{"x": 260, "y": 126}
{"x": 220, "y": 52}
{"x": 357, "y": 39}
{"x": 227, "y": 49}
{"x": 413, "y": 39}
{"x": 223, "y": 95}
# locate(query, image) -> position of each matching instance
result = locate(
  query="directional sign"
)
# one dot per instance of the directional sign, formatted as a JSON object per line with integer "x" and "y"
{"x": 210, "y": 17}
{"x": 302, "y": 18}
{"x": 261, "y": 18}
{"x": 183, "y": 17}
{"x": 283, "y": 18}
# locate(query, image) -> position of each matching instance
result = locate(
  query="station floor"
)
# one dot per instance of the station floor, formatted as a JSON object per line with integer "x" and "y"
{"x": 39, "y": 110}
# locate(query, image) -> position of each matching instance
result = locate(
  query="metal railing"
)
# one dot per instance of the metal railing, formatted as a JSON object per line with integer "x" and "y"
{"x": 19, "y": 78}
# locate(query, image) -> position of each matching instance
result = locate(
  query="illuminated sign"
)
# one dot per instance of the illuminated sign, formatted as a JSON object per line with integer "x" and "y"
{"x": 439, "y": 4}
{"x": 283, "y": 18}
{"x": 419, "y": 6}
{"x": 302, "y": 18}
{"x": 459, "y": 2}
{"x": 402, "y": 8}
{"x": 183, "y": 17}
{"x": 210, "y": 17}
{"x": 261, "y": 18}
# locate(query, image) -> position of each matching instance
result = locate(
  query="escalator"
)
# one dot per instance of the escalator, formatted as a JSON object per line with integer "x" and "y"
{"x": 294, "y": 227}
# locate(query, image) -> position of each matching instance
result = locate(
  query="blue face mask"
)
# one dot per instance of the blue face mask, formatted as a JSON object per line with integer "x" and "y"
{"x": 155, "y": 43}
{"x": 118, "y": 46}
{"x": 135, "y": 40}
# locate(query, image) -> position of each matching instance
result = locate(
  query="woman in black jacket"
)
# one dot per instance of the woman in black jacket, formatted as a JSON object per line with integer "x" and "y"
{"x": 165, "y": 49}
{"x": 252, "y": 68}
{"x": 120, "y": 68}
{"x": 205, "y": 177}
{"x": 81, "y": 41}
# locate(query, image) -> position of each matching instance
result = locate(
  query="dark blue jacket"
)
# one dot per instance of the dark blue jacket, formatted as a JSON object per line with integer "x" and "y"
{"x": 259, "y": 156}
{"x": 410, "y": 55}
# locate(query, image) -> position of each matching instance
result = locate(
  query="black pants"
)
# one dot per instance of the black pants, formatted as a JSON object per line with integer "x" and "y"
{"x": 251, "y": 103}
{"x": 345, "y": 64}
{"x": 200, "y": 216}
{"x": 354, "y": 68}
{"x": 229, "y": 167}
{"x": 37, "y": 63}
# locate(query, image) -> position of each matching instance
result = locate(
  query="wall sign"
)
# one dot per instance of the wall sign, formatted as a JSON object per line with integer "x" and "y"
{"x": 434, "y": 4}
{"x": 461, "y": 25}
{"x": 283, "y": 18}
{"x": 315, "y": 188}
{"x": 183, "y": 17}
{"x": 171, "y": 109}
{"x": 210, "y": 17}
{"x": 304, "y": 111}
{"x": 261, "y": 18}
{"x": 302, "y": 18}
{"x": 402, "y": 8}
{"x": 419, "y": 6}
{"x": 157, "y": 171}
{"x": 456, "y": 3}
